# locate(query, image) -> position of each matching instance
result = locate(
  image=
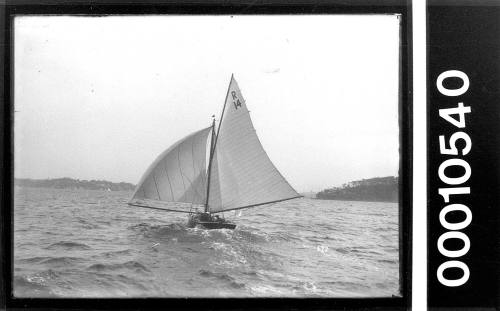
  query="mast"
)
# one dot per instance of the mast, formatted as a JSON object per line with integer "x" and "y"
{"x": 213, "y": 142}
{"x": 223, "y": 109}
{"x": 211, "y": 154}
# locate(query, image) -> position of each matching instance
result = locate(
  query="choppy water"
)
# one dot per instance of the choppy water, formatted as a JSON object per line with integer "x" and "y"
{"x": 82, "y": 243}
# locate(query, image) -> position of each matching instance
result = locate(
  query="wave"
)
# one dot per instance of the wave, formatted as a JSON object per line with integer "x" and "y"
{"x": 389, "y": 261}
{"x": 221, "y": 277}
{"x": 51, "y": 260}
{"x": 168, "y": 233}
{"x": 267, "y": 291}
{"x": 180, "y": 233}
{"x": 68, "y": 245}
{"x": 124, "y": 252}
{"x": 129, "y": 265}
{"x": 23, "y": 287}
{"x": 36, "y": 285}
{"x": 251, "y": 235}
{"x": 162, "y": 229}
{"x": 87, "y": 224}
{"x": 284, "y": 237}
{"x": 385, "y": 229}
{"x": 284, "y": 251}
{"x": 309, "y": 288}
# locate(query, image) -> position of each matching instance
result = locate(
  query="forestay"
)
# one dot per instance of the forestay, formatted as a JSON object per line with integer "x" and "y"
{"x": 177, "y": 179}
{"x": 242, "y": 175}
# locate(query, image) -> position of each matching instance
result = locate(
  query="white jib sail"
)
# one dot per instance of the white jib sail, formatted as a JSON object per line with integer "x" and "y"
{"x": 177, "y": 179}
{"x": 242, "y": 175}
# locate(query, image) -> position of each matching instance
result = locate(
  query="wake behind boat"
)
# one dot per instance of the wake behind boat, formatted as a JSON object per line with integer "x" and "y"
{"x": 237, "y": 175}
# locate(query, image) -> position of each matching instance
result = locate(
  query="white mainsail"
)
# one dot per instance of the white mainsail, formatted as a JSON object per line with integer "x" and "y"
{"x": 242, "y": 175}
{"x": 177, "y": 179}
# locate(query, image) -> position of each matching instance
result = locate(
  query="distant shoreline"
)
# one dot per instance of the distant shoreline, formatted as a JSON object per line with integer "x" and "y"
{"x": 70, "y": 183}
{"x": 378, "y": 189}
{"x": 355, "y": 200}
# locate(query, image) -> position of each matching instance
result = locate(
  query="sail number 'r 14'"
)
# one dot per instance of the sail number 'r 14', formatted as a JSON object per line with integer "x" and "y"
{"x": 236, "y": 100}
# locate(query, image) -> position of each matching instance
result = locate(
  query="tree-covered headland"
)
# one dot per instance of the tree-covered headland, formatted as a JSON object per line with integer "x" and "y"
{"x": 379, "y": 189}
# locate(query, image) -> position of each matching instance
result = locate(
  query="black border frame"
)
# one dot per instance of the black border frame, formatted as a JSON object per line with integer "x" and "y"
{"x": 215, "y": 7}
{"x": 464, "y": 35}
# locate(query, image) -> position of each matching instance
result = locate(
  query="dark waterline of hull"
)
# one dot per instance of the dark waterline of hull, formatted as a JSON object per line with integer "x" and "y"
{"x": 208, "y": 221}
{"x": 217, "y": 225}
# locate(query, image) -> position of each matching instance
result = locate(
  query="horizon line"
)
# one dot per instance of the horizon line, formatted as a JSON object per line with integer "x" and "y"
{"x": 116, "y": 182}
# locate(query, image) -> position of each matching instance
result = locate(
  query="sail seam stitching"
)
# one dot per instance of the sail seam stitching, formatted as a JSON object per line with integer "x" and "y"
{"x": 180, "y": 169}
{"x": 156, "y": 185}
{"x": 168, "y": 178}
{"x": 194, "y": 169}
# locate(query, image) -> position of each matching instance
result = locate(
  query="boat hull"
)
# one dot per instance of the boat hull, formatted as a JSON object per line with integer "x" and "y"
{"x": 216, "y": 225}
{"x": 207, "y": 221}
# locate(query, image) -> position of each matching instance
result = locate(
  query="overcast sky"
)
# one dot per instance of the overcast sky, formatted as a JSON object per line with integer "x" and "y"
{"x": 101, "y": 97}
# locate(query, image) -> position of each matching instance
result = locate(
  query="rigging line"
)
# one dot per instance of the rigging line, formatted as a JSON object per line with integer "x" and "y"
{"x": 222, "y": 114}
{"x": 205, "y": 162}
{"x": 205, "y": 166}
{"x": 194, "y": 189}
{"x": 188, "y": 179}
{"x": 194, "y": 169}
{"x": 156, "y": 185}
{"x": 259, "y": 204}
{"x": 168, "y": 178}
{"x": 158, "y": 208}
{"x": 180, "y": 169}
{"x": 213, "y": 141}
{"x": 211, "y": 154}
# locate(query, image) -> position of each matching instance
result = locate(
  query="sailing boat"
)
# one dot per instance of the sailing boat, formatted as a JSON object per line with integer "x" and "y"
{"x": 238, "y": 173}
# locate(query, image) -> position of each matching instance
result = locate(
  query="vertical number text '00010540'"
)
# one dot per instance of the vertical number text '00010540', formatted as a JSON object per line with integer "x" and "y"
{"x": 455, "y": 185}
